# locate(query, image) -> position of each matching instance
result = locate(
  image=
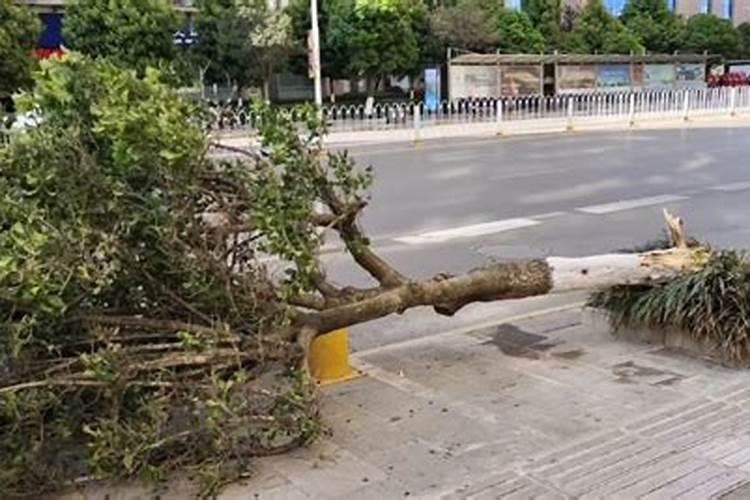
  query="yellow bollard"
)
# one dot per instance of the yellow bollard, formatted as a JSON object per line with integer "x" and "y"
{"x": 329, "y": 358}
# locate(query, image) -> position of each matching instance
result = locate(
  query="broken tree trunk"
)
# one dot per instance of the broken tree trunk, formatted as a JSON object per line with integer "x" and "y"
{"x": 448, "y": 294}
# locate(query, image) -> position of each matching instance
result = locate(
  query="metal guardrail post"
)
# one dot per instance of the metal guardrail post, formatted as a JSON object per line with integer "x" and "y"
{"x": 499, "y": 117}
{"x": 569, "y": 115}
{"x": 733, "y": 101}
{"x": 686, "y": 106}
{"x": 631, "y": 110}
{"x": 417, "y": 124}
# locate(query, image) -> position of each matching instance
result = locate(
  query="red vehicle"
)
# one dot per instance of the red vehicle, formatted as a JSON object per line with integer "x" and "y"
{"x": 734, "y": 79}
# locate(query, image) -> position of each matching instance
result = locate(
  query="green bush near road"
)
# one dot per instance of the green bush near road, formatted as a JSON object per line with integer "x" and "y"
{"x": 134, "y": 335}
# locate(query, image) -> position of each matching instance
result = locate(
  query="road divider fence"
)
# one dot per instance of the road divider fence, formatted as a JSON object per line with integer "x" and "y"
{"x": 507, "y": 113}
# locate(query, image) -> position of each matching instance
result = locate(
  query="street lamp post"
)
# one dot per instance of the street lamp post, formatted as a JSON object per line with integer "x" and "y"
{"x": 315, "y": 53}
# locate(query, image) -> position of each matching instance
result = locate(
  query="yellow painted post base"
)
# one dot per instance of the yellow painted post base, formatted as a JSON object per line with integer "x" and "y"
{"x": 329, "y": 358}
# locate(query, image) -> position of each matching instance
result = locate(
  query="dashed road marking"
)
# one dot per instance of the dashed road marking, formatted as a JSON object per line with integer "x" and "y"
{"x": 618, "y": 206}
{"x": 734, "y": 186}
{"x": 469, "y": 231}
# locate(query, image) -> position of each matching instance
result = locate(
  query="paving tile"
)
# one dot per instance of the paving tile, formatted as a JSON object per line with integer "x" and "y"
{"x": 715, "y": 486}
{"x": 641, "y": 472}
{"x": 664, "y": 475}
{"x": 326, "y": 470}
{"x": 683, "y": 484}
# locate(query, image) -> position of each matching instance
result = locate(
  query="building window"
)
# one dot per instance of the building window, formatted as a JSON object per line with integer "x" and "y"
{"x": 704, "y": 6}
{"x": 513, "y": 4}
{"x": 614, "y": 6}
{"x": 672, "y": 5}
{"x": 727, "y": 9}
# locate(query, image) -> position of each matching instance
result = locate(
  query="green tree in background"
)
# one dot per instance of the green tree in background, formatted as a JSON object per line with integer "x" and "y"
{"x": 222, "y": 54}
{"x": 596, "y": 31}
{"x": 744, "y": 31}
{"x": 431, "y": 50}
{"x": 242, "y": 42}
{"x": 465, "y": 25}
{"x": 133, "y": 33}
{"x": 19, "y": 29}
{"x": 381, "y": 40}
{"x": 516, "y": 34}
{"x": 546, "y": 16}
{"x": 333, "y": 22}
{"x": 706, "y": 32}
{"x": 659, "y": 30}
{"x": 366, "y": 38}
{"x": 270, "y": 38}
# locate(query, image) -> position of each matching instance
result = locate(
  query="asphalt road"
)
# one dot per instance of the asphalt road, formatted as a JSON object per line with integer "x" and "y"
{"x": 452, "y": 205}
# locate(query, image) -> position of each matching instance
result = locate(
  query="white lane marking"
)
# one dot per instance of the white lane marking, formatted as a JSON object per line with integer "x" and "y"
{"x": 467, "y": 231}
{"x": 630, "y": 204}
{"x": 700, "y": 161}
{"x": 734, "y": 186}
{"x": 548, "y": 215}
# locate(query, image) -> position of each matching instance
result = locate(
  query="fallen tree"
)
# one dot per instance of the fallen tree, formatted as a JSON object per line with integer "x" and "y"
{"x": 141, "y": 331}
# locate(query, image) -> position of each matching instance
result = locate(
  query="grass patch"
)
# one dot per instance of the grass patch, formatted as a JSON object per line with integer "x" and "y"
{"x": 709, "y": 305}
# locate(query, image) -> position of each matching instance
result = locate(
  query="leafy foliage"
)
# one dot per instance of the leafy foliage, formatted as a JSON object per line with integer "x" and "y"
{"x": 332, "y": 21}
{"x": 711, "y": 305}
{"x": 660, "y": 30}
{"x": 381, "y": 40}
{"x": 545, "y": 16}
{"x": 242, "y": 42}
{"x": 706, "y": 32}
{"x": 222, "y": 52}
{"x": 516, "y": 34}
{"x": 139, "y": 333}
{"x": 19, "y": 28}
{"x": 744, "y": 31}
{"x": 596, "y": 31}
{"x": 367, "y": 38}
{"x": 134, "y": 33}
{"x": 465, "y": 25}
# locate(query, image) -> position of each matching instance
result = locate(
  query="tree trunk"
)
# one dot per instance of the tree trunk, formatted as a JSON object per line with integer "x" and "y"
{"x": 372, "y": 85}
{"x": 448, "y": 294}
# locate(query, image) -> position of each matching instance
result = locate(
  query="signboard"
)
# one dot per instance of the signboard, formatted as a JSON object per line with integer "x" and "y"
{"x": 615, "y": 77}
{"x": 690, "y": 75}
{"x": 576, "y": 78}
{"x": 472, "y": 81}
{"x": 431, "y": 89}
{"x": 739, "y": 68}
{"x": 520, "y": 80}
{"x": 658, "y": 76}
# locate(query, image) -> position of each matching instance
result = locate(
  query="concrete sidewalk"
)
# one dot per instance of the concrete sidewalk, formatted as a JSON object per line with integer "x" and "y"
{"x": 549, "y": 406}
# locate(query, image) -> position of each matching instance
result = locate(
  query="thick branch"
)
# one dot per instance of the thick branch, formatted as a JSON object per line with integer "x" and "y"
{"x": 356, "y": 242}
{"x": 517, "y": 280}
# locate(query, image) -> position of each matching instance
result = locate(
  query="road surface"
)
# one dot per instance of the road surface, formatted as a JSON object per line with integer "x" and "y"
{"x": 453, "y": 205}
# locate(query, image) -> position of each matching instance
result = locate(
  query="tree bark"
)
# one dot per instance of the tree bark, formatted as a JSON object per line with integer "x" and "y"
{"x": 448, "y": 294}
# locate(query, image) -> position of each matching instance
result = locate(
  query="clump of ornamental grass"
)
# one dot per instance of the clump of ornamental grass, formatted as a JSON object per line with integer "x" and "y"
{"x": 711, "y": 305}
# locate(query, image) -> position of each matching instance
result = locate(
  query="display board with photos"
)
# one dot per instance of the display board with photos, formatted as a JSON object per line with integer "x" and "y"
{"x": 576, "y": 78}
{"x": 521, "y": 80}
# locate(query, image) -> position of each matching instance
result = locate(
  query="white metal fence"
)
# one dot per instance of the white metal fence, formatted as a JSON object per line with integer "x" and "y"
{"x": 632, "y": 106}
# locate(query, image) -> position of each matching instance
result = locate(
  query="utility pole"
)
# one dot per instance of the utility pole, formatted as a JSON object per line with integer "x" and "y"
{"x": 315, "y": 53}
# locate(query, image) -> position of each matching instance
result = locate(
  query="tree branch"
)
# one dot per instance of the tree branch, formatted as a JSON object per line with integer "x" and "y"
{"x": 516, "y": 280}
{"x": 156, "y": 324}
{"x": 356, "y": 242}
